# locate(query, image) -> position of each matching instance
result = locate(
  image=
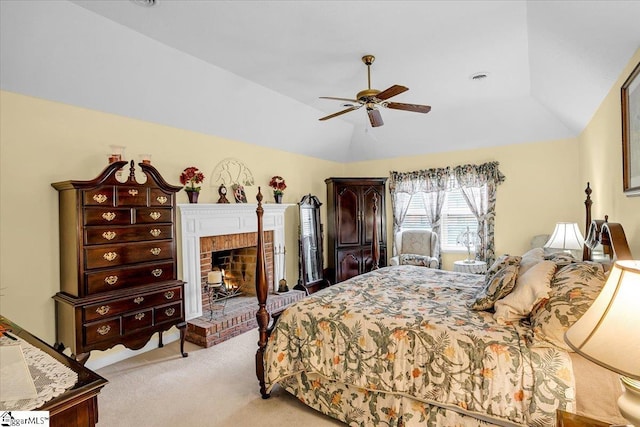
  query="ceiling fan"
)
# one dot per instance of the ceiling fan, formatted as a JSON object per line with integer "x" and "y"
{"x": 373, "y": 98}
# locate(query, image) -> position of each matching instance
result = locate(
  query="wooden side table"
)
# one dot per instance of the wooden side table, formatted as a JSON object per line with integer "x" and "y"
{"x": 77, "y": 406}
{"x": 476, "y": 267}
{"x": 567, "y": 419}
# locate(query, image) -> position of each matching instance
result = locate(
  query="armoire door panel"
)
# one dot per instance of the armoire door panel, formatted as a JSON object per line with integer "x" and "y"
{"x": 348, "y": 264}
{"x": 347, "y": 217}
{"x": 368, "y": 195}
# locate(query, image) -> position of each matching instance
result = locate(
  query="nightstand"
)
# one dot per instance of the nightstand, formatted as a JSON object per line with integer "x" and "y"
{"x": 567, "y": 419}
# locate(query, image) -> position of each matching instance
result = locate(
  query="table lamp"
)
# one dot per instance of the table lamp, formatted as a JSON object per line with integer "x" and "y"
{"x": 607, "y": 333}
{"x": 469, "y": 239}
{"x": 566, "y": 237}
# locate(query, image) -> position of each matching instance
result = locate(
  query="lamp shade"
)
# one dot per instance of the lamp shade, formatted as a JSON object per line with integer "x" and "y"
{"x": 607, "y": 333}
{"x": 566, "y": 236}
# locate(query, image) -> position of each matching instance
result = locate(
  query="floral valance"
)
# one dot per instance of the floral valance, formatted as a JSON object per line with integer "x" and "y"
{"x": 440, "y": 179}
{"x": 478, "y": 175}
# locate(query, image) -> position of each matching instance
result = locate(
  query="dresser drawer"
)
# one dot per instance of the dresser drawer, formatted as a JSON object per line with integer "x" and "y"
{"x": 134, "y": 303}
{"x": 131, "y": 196}
{"x": 153, "y": 215}
{"x": 112, "y": 279}
{"x": 109, "y": 216}
{"x": 167, "y": 313}
{"x": 102, "y": 196}
{"x": 101, "y": 331}
{"x": 136, "y": 321}
{"x": 130, "y": 253}
{"x": 158, "y": 197}
{"x": 134, "y": 233}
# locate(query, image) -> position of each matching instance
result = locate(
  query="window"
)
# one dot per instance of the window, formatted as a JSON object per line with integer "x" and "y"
{"x": 456, "y": 217}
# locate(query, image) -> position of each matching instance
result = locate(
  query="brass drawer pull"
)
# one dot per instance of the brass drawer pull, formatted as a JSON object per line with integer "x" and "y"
{"x": 111, "y": 280}
{"x": 157, "y": 272}
{"x": 100, "y": 198}
{"x": 155, "y": 251}
{"x": 139, "y": 316}
{"x": 133, "y": 192}
{"x": 169, "y": 294}
{"x": 109, "y": 216}
{"x": 138, "y": 300}
{"x": 109, "y": 235}
{"x": 104, "y": 330}
{"x": 155, "y": 232}
{"x": 110, "y": 256}
{"x": 103, "y": 309}
{"x": 155, "y": 215}
{"x": 170, "y": 311}
{"x": 162, "y": 199}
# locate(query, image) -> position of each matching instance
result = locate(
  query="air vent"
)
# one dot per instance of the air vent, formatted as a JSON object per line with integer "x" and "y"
{"x": 479, "y": 76}
{"x": 145, "y": 3}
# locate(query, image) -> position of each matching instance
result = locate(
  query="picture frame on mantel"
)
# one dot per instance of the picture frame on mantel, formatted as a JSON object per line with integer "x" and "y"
{"x": 630, "y": 97}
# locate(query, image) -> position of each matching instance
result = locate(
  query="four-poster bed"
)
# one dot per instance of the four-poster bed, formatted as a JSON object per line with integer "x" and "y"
{"x": 400, "y": 346}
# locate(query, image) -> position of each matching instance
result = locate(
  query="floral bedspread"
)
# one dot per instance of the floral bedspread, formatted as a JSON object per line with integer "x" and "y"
{"x": 408, "y": 331}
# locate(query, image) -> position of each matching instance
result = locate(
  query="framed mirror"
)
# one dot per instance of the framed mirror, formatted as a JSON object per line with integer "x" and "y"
{"x": 310, "y": 246}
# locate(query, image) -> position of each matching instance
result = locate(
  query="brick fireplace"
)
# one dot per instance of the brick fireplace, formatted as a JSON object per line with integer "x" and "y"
{"x": 236, "y": 254}
{"x": 225, "y": 235}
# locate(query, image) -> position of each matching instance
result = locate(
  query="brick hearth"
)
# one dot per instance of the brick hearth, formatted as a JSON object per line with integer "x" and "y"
{"x": 238, "y": 316}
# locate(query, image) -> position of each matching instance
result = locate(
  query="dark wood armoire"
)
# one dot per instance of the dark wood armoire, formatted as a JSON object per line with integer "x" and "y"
{"x": 350, "y": 222}
{"x": 118, "y": 275}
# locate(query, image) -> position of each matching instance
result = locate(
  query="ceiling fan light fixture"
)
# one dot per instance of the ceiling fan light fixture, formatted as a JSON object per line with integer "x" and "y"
{"x": 373, "y": 98}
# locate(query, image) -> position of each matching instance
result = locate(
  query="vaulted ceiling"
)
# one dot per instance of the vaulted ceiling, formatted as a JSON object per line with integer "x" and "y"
{"x": 549, "y": 64}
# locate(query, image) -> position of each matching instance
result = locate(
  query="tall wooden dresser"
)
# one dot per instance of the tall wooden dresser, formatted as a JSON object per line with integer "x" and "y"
{"x": 350, "y": 222}
{"x": 118, "y": 268}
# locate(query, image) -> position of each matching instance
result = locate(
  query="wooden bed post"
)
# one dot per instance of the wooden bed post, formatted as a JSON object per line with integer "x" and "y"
{"x": 375, "y": 242}
{"x": 586, "y": 251}
{"x": 262, "y": 290}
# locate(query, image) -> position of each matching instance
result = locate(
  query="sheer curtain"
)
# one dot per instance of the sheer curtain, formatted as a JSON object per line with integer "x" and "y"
{"x": 478, "y": 184}
{"x": 401, "y": 190}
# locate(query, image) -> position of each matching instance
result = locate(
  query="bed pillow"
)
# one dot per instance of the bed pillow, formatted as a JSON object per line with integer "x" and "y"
{"x": 531, "y": 287}
{"x": 419, "y": 260}
{"x": 499, "y": 281}
{"x": 573, "y": 289}
{"x": 529, "y": 259}
{"x": 561, "y": 259}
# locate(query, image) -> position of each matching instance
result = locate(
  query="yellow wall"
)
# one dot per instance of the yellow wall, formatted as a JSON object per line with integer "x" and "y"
{"x": 601, "y": 163}
{"x": 43, "y": 142}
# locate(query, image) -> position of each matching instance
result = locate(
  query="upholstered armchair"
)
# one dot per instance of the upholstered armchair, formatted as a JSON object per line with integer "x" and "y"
{"x": 417, "y": 247}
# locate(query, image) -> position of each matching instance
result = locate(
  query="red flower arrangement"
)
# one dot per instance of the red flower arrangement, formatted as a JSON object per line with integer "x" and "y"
{"x": 278, "y": 185}
{"x": 191, "y": 176}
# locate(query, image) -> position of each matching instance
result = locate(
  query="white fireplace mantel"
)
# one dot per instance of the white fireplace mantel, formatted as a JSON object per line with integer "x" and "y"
{"x": 204, "y": 220}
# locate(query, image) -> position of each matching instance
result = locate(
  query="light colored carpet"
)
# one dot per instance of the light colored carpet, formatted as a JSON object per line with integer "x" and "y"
{"x": 216, "y": 386}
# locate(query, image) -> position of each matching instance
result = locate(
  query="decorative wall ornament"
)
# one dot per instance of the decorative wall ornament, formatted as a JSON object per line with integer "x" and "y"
{"x": 231, "y": 171}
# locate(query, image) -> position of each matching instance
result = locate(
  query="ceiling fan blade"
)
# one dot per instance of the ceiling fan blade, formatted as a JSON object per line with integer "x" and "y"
{"x": 339, "y": 113}
{"x": 339, "y": 99}
{"x": 408, "y": 107}
{"x": 392, "y": 91}
{"x": 375, "y": 117}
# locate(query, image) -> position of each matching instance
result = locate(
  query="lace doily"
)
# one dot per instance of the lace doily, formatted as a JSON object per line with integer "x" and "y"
{"x": 50, "y": 377}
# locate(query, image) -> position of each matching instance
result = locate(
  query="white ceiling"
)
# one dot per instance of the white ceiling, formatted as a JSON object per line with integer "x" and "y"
{"x": 549, "y": 63}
